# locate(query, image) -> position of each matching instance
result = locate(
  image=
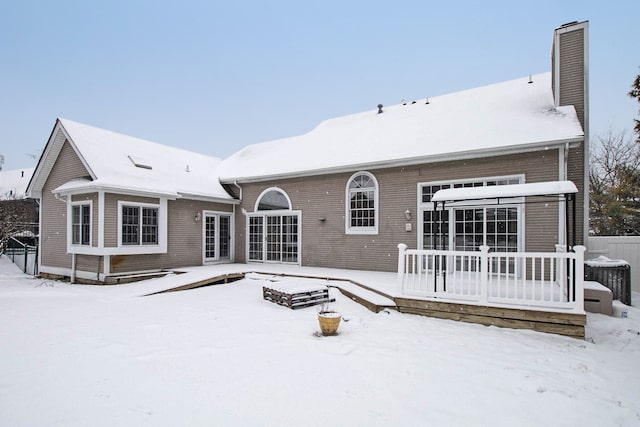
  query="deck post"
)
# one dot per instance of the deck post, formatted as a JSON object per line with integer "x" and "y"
{"x": 578, "y": 278}
{"x": 402, "y": 248}
{"x": 484, "y": 274}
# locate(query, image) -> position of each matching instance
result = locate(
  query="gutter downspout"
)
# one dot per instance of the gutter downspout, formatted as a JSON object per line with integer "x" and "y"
{"x": 239, "y": 188}
{"x": 235, "y": 182}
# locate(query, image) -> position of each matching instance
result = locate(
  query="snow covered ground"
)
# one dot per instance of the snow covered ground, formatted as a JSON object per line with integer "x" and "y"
{"x": 76, "y": 355}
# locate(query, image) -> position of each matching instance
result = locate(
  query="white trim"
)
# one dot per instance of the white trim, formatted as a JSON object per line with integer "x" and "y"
{"x": 479, "y": 204}
{"x": 91, "y": 275}
{"x": 562, "y": 174}
{"x": 511, "y": 192}
{"x": 556, "y": 68}
{"x": 518, "y": 176}
{"x": 93, "y": 187}
{"x": 43, "y": 169}
{"x": 348, "y": 229}
{"x": 217, "y": 215}
{"x": 77, "y": 248}
{"x": 446, "y": 157}
{"x": 584, "y": 25}
{"x": 101, "y": 208}
{"x": 277, "y": 189}
{"x": 587, "y": 135}
{"x": 161, "y": 247}
{"x": 264, "y": 215}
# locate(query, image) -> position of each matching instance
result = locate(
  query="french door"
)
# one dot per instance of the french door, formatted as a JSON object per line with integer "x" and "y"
{"x": 274, "y": 237}
{"x": 466, "y": 229}
{"x": 217, "y": 236}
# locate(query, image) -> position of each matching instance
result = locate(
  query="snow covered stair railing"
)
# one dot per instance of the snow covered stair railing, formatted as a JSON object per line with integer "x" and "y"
{"x": 296, "y": 295}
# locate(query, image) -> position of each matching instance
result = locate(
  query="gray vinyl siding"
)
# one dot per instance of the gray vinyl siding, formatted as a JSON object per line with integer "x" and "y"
{"x": 325, "y": 244}
{"x": 90, "y": 263}
{"x": 572, "y": 92}
{"x": 184, "y": 246}
{"x": 576, "y": 173}
{"x": 572, "y": 71}
{"x": 53, "y": 233}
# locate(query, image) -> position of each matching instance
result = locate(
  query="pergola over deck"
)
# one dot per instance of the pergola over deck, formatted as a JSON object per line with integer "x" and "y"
{"x": 540, "y": 290}
{"x": 512, "y": 194}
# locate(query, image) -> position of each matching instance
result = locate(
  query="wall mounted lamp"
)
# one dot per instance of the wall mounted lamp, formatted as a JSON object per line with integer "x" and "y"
{"x": 197, "y": 217}
{"x": 407, "y": 215}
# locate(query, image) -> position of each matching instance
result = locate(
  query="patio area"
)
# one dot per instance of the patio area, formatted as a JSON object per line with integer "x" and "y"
{"x": 383, "y": 290}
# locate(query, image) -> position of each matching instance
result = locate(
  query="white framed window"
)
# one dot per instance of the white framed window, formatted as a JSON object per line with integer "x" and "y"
{"x": 465, "y": 226}
{"x": 81, "y": 223}
{"x": 138, "y": 224}
{"x": 273, "y": 199}
{"x": 361, "y": 205}
{"x": 274, "y": 229}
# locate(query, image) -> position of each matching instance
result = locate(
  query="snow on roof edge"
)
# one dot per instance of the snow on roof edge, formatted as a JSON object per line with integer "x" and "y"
{"x": 475, "y": 154}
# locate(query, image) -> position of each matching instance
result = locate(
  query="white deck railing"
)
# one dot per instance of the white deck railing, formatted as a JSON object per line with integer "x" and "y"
{"x": 535, "y": 280}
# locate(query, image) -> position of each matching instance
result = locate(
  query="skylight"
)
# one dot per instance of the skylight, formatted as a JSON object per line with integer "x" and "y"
{"x": 139, "y": 162}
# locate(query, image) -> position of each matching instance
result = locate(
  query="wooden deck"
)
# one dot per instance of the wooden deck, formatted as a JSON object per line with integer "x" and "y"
{"x": 568, "y": 324}
{"x": 377, "y": 298}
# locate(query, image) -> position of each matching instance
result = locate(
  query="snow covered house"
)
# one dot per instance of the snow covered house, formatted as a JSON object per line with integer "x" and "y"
{"x": 468, "y": 189}
{"x": 114, "y": 205}
{"x": 346, "y": 193}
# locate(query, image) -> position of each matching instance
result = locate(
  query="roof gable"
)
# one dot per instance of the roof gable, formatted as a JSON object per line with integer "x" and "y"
{"x": 121, "y": 163}
{"x": 513, "y": 115}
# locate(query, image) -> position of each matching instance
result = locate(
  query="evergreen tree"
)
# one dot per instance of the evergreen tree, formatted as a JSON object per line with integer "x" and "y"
{"x": 635, "y": 93}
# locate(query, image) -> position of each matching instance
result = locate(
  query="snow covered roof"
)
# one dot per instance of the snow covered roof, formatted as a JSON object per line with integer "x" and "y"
{"x": 122, "y": 163}
{"x": 497, "y": 119}
{"x": 13, "y": 183}
{"x": 550, "y": 188}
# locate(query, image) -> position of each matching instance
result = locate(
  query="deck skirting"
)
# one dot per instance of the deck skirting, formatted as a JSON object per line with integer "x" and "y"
{"x": 569, "y": 324}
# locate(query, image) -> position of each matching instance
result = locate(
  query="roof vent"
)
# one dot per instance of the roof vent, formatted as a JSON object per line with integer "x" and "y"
{"x": 427, "y": 100}
{"x": 138, "y": 163}
{"x": 380, "y": 109}
{"x": 403, "y": 101}
{"x": 530, "y": 79}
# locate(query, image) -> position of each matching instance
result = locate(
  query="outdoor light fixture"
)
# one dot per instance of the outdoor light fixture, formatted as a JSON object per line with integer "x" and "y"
{"x": 197, "y": 217}
{"x": 407, "y": 215}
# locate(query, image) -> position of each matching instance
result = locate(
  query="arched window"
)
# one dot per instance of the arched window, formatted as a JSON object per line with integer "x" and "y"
{"x": 273, "y": 199}
{"x": 362, "y": 204}
{"x": 273, "y": 229}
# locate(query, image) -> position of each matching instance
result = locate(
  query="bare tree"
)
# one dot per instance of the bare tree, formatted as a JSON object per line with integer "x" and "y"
{"x": 614, "y": 179}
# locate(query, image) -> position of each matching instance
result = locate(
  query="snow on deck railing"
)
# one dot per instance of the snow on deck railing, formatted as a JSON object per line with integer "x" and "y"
{"x": 538, "y": 280}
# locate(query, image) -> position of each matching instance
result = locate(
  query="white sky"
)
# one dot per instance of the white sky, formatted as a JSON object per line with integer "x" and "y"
{"x": 213, "y": 77}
